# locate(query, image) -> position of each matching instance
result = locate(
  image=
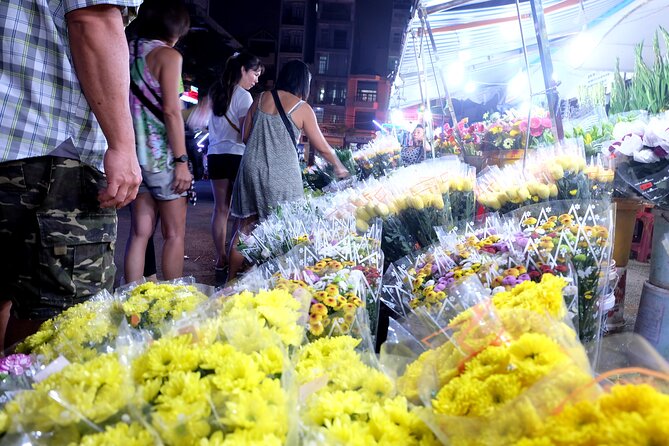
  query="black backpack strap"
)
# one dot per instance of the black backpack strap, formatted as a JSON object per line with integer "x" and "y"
{"x": 284, "y": 118}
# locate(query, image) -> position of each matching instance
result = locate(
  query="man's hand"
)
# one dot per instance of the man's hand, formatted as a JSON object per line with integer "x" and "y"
{"x": 123, "y": 178}
{"x": 182, "y": 178}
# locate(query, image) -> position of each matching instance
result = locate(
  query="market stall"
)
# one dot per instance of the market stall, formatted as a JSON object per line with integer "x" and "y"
{"x": 443, "y": 302}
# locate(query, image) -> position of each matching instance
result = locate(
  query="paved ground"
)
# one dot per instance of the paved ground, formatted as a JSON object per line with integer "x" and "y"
{"x": 200, "y": 254}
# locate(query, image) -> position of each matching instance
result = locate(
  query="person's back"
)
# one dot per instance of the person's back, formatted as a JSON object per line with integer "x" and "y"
{"x": 274, "y": 175}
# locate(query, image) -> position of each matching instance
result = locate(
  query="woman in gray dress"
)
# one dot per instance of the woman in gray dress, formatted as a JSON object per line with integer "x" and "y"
{"x": 269, "y": 173}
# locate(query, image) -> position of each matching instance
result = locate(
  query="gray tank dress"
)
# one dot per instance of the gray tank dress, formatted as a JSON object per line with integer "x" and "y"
{"x": 269, "y": 173}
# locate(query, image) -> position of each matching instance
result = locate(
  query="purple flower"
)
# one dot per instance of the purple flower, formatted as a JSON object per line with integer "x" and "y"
{"x": 440, "y": 287}
{"x": 449, "y": 281}
{"x": 523, "y": 277}
{"x": 449, "y": 275}
{"x": 509, "y": 280}
{"x": 660, "y": 152}
{"x": 15, "y": 364}
{"x": 501, "y": 246}
{"x": 434, "y": 269}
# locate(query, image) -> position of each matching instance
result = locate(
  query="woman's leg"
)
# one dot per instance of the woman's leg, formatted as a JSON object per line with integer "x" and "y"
{"x": 235, "y": 257}
{"x": 173, "y": 225}
{"x": 143, "y": 214}
{"x": 222, "y": 190}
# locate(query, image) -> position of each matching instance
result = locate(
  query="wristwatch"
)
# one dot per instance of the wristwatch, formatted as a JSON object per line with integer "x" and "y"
{"x": 181, "y": 159}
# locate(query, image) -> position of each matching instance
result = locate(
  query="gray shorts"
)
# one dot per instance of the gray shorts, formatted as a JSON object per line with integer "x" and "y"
{"x": 159, "y": 185}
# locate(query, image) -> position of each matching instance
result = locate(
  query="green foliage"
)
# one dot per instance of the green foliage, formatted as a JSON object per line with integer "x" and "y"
{"x": 649, "y": 89}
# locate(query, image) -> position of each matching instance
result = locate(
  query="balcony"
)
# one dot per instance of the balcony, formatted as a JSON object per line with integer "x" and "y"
{"x": 289, "y": 48}
{"x": 294, "y": 20}
{"x": 366, "y": 100}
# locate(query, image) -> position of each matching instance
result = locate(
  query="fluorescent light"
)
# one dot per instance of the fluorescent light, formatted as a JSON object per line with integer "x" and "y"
{"x": 470, "y": 87}
{"x": 455, "y": 73}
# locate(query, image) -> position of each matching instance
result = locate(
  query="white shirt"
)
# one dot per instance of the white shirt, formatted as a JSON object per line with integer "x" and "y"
{"x": 223, "y": 139}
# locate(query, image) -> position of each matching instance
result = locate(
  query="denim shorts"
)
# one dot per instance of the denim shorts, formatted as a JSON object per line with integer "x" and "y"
{"x": 57, "y": 243}
{"x": 159, "y": 185}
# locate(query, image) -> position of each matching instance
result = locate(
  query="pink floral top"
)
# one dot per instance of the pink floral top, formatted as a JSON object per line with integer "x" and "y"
{"x": 153, "y": 149}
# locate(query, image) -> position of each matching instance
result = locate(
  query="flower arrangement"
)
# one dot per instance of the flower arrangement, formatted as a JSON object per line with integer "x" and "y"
{"x": 151, "y": 304}
{"x": 349, "y": 402}
{"x": 627, "y": 414}
{"x": 580, "y": 233}
{"x": 337, "y": 293}
{"x": 79, "y": 333}
{"x": 378, "y": 157}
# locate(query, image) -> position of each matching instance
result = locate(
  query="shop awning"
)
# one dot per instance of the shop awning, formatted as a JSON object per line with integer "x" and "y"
{"x": 478, "y": 48}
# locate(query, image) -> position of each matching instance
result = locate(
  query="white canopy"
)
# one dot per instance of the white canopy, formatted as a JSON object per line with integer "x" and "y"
{"x": 479, "y": 50}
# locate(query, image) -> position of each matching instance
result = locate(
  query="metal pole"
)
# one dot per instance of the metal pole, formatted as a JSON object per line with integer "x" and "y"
{"x": 449, "y": 102}
{"x": 547, "y": 66}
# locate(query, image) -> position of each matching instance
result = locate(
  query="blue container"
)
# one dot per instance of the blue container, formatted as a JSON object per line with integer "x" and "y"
{"x": 659, "y": 259}
{"x": 652, "y": 321}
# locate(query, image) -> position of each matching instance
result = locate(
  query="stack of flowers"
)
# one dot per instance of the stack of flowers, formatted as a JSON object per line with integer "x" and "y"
{"x": 217, "y": 379}
{"x": 337, "y": 292}
{"x": 579, "y": 233}
{"x": 504, "y": 360}
{"x": 378, "y": 157}
{"x": 345, "y": 401}
{"x": 85, "y": 330}
{"x": 508, "y": 131}
{"x": 505, "y": 190}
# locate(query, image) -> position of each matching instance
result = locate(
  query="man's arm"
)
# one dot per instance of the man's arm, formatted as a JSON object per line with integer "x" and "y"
{"x": 100, "y": 55}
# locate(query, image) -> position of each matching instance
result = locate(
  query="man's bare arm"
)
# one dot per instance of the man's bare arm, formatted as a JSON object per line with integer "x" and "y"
{"x": 101, "y": 60}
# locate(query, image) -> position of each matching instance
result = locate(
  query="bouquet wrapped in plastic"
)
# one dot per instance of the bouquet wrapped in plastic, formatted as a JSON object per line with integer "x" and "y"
{"x": 220, "y": 375}
{"x": 346, "y": 399}
{"x": 579, "y": 232}
{"x": 86, "y": 330}
{"x": 487, "y": 374}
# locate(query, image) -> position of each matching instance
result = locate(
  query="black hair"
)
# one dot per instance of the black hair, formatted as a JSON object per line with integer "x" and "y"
{"x": 295, "y": 78}
{"x": 221, "y": 92}
{"x": 419, "y": 126}
{"x": 162, "y": 20}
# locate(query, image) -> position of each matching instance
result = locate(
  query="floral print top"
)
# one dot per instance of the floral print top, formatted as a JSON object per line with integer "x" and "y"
{"x": 153, "y": 150}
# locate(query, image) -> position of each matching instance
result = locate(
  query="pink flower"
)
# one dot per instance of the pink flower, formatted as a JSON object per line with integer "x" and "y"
{"x": 546, "y": 122}
{"x": 522, "y": 125}
{"x": 15, "y": 364}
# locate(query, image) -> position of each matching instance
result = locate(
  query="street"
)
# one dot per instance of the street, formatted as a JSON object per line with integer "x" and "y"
{"x": 200, "y": 254}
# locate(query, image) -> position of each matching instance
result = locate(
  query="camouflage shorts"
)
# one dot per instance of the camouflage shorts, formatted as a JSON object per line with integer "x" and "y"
{"x": 57, "y": 243}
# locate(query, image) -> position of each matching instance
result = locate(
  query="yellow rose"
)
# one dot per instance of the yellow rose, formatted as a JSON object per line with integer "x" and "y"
{"x": 543, "y": 191}
{"x": 416, "y": 202}
{"x": 553, "y": 190}
{"x": 361, "y": 226}
{"x": 556, "y": 171}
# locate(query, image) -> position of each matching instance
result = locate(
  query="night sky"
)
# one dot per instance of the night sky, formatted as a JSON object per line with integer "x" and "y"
{"x": 244, "y": 19}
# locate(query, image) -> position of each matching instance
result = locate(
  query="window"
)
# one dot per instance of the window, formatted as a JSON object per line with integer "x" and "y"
{"x": 336, "y": 11}
{"x": 321, "y": 95}
{"x": 396, "y": 41}
{"x": 340, "y": 39}
{"x": 366, "y": 91}
{"x": 318, "y": 111}
{"x": 322, "y": 64}
{"x": 324, "y": 39}
{"x": 364, "y": 120}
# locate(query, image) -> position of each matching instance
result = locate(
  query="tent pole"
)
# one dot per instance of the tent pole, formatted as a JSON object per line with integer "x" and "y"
{"x": 449, "y": 103}
{"x": 547, "y": 66}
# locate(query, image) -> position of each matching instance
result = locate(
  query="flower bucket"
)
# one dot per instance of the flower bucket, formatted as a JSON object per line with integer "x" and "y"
{"x": 503, "y": 158}
{"x": 659, "y": 263}
{"x": 652, "y": 321}
{"x": 626, "y": 210}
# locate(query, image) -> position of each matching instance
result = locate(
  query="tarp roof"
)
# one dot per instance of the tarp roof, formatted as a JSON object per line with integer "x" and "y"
{"x": 479, "y": 48}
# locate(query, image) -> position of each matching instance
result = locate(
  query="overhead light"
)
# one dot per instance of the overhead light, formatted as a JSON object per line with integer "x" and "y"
{"x": 397, "y": 117}
{"x": 455, "y": 73}
{"x": 517, "y": 86}
{"x": 427, "y": 115}
{"x": 470, "y": 87}
{"x": 465, "y": 55}
{"x": 580, "y": 49}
